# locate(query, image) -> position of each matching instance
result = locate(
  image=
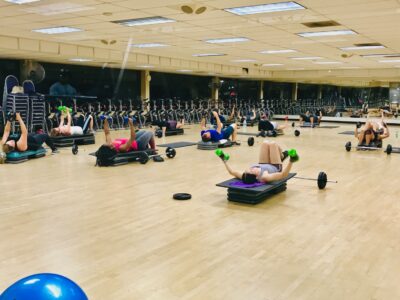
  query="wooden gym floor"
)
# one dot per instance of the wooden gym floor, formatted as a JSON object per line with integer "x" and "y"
{"x": 118, "y": 233}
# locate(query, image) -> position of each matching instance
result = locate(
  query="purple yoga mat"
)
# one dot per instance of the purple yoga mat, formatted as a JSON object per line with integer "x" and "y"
{"x": 244, "y": 185}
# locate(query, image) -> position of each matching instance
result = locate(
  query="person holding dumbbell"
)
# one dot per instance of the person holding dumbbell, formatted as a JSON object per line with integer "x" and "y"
{"x": 85, "y": 126}
{"x": 270, "y": 167}
{"x": 313, "y": 119}
{"x": 372, "y": 131}
{"x": 23, "y": 141}
{"x": 215, "y": 135}
{"x": 169, "y": 125}
{"x": 137, "y": 141}
{"x": 265, "y": 125}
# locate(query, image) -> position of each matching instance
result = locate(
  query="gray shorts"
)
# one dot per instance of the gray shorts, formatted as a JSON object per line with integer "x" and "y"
{"x": 143, "y": 138}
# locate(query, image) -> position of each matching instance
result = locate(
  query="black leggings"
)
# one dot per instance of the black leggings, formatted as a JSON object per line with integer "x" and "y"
{"x": 170, "y": 125}
{"x": 35, "y": 141}
{"x": 264, "y": 125}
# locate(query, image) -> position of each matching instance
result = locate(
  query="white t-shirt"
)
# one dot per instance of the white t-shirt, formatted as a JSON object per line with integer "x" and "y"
{"x": 76, "y": 130}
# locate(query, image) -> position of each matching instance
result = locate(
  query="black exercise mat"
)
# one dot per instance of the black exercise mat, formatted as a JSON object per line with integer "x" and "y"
{"x": 255, "y": 190}
{"x": 321, "y": 126}
{"x": 178, "y": 144}
{"x": 347, "y": 132}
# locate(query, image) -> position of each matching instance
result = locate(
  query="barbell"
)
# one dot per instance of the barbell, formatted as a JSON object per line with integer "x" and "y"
{"x": 388, "y": 149}
{"x": 144, "y": 157}
{"x": 321, "y": 180}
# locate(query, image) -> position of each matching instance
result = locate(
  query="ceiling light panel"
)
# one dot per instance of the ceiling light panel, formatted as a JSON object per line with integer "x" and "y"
{"x": 227, "y": 40}
{"x": 144, "y": 21}
{"x": 243, "y": 60}
{"x": 149, "y": 45}
{"x": 307, "y": 58}
{"x": 208, "y": 54}
{"x": 21, "y": 1}
{"x": 390, "y": 61}
{"x": 80, "y": 59}
{"x": 264, "y": 8}
{"x": 327, "y": 33}
{"x": 328, "y": 63}
{"x": 362, "y": 48}
{"x": 278, "y": 51}
{"x": 57, "y": 30}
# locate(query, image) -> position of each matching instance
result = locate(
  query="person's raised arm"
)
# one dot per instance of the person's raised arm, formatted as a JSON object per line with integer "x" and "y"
{"x": 106, "y": 128}
{"x": 234, "y": 173}
{"x": 203, "y": 123}
{"x": 219, "y": 124}
{"x": 6, "y": 134}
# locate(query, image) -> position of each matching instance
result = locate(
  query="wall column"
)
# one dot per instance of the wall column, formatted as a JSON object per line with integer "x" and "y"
{"x": 319, "y": 93}
{"x": 295, "y": 88}
{"x": 215, "y": 89}
{"x": 261, "y": 94}
{"x": 145, "y": 84}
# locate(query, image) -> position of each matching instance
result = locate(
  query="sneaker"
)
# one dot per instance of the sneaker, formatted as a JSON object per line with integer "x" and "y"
{"x": 236, "y": 143}
{"x": 55, "y": 151}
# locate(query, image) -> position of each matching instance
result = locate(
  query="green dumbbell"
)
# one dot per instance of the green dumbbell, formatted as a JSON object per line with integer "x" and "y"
{"x": 293, "y": 155}
{"x": 222, "y": 155}
{"x": 64, "y": 109}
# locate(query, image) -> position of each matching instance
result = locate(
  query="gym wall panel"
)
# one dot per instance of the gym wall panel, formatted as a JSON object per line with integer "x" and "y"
{"x": 29, "y": 45}
{"x": 185, "y": 63}
{"x": 225, "y": 69}
{"x": 8, "y": 43}
{"x": 211, "y": 67}
{"x": 49, "y": 47}
{"x": 203, "y": 66}
{"x": 218, "y": 68}
{"x": 194, "y": 65}
{"x": 165, "y": 61}
{"x": 154, "y": 60}
{"x": 116, "y": 56}
{"x": 175, "y": 62}
{"x": 142, "y": 58}
{"x": 85, "y": 51}
{"x": 68, "y": 50}
{"x": 101, "y": 53}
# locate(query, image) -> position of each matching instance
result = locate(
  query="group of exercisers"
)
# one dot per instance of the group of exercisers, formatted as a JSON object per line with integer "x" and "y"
{"x": 269, "y": 167}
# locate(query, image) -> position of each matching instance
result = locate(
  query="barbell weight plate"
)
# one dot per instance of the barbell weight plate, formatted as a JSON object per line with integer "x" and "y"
{"x": 348, "y": 146}
{"x": 250, "y": 141}
{"x": 75, "y": 149}
{"x": 297, "y": 132}
{"x": 389, "y": 149}
{"x": 182, "y": 196}
{"x": 159, "y": 133}
{"x": 322, "y": 180}
{"x": 170, "y": 152}
{"x": 293, "y": 124}
{"x": 144, "y": 158}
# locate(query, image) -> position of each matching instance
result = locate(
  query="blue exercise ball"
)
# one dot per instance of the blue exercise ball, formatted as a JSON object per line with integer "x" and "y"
{"x": 44, "y": 287}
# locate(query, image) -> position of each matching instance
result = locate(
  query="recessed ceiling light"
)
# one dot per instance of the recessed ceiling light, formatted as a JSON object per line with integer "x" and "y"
{"x": 144, "y": 21}
{"x": 390, "y": 61}
{"x": 148, "y": 45}
{"x": 184, "y": 71}
{"x": 145, "y": 66}
{"x": 21, "y": 1}
{"x": 328, "y": 63}
{"x": 80, "y": 59}
{"x": 272, "y": 65}
{"x": 277, "y": 51}
{"x": 227, "y": 40}
{"x": 208, "y": 54}
{"x": 326, "y": 33}
{"x": 264, "y": 8}
{"x": 307, "y": 58}
{"x": 362, "y": 48}
{"x": 57, "y": 30}
{"x": 243, "y": 60}
{"x": 381, "y": 55}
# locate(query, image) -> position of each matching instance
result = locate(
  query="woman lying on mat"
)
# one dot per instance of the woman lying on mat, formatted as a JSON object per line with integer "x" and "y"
{"x": 169, "y": 125}
{"x": 138, "y": 141}
{"x": 372, "y": 131}
{"x": 270, "y": 167}
{"x": 23, "y": 141}
{"x": 313, "y": 119}
{"x": 85, "y": 126}
{"x": 265, "y": 125}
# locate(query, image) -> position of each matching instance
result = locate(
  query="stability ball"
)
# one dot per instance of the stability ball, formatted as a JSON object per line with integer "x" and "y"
{"x": 44, "y": 287}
